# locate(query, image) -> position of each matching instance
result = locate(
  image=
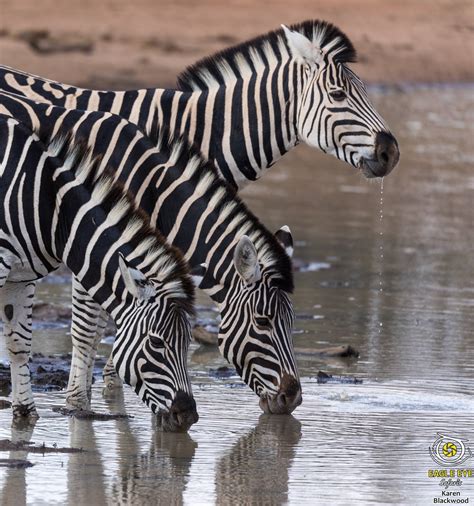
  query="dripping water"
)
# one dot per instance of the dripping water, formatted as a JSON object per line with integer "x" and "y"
{"x": 380, "y": 291}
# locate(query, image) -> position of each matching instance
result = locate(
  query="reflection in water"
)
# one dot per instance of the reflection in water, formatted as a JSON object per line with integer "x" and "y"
{"x": 85, "y": 471}
{"x": 14, "y": 486}
{"x": 258, "y": 464}
{"x": 158, "y": 476}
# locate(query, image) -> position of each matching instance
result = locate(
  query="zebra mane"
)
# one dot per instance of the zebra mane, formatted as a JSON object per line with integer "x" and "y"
{"x": 235, "y": 61}
{"x": 164, "y": 262}
{"x": 225, "y": 200}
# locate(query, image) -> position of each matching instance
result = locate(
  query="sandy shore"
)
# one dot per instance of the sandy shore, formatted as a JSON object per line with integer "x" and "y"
{"x": 120, "y": 44}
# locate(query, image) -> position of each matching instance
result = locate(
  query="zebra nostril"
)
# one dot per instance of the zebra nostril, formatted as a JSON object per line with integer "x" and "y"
{"x": 174, "y": 415}
{"x": 289, "y": 396}
{"x": 182, "y": 413}
{"x": 282, "y": 400}
{"x": 387, "y": 153}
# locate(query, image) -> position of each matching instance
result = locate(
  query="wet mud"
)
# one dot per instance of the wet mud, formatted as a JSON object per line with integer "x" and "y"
{"x": 15, "y": 463}
{"x": 32, "y": 447}
{"x": 50, "y": 372}
{"x": 84, "y": 414}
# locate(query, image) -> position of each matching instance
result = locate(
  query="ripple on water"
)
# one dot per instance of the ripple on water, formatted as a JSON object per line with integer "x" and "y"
{"x": 341, "y": 439}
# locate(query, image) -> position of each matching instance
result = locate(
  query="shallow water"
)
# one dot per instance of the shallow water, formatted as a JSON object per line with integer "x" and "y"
{"x": 346, "y": 444}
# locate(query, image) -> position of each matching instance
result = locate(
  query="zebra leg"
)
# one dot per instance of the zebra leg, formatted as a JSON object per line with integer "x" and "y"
{"x": 102, "y": 321}
{"x": 16, "y": 307}
{"x": 86, "y": 331}
{"x": 111, "y": 378}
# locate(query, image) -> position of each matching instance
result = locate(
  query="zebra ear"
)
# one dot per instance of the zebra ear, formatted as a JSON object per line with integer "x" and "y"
{"x": 302, "y": 48}
{"x": 284, "y": 237}
{"x": 136, "y": 282}
{"x": 246, "y": 260}
{"x": 198, "y": 273}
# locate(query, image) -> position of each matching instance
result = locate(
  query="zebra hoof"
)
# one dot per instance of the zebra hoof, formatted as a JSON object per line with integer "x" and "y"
{"x": 112, "y": 382}
{"x": 24, "y": 411}
{"x": 77, "y": 404}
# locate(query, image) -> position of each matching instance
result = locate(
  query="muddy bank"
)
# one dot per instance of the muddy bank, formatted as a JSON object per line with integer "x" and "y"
{"x": 147, "y": 43}
{"x": 47, "y": 372}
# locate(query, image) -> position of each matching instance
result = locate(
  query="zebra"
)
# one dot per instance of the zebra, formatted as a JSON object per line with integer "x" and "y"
{"x": 248, "y": 105}
{"x": 244, "y": 268}
{"x": 56, "y": 208}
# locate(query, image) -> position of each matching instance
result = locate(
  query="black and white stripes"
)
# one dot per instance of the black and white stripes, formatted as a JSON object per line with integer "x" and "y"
{"x": 56, "y": 207}
{"x": 248, "y": 105}
{"x": 243, "y": 267}
{"x": 243, "y": 109}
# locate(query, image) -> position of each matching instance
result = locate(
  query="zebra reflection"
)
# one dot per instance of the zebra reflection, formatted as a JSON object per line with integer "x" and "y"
{"x": 85, "y": 470}
{"x": 256, "y": 469}
{"x": 158, "y": 476}
{"x": 14, "y": 485}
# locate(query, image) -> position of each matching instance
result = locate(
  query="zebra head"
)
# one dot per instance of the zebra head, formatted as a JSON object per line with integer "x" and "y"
{"x": 333, "y": 112}
{"x": 255, "y": 333}
{"x": 150, "y": 351}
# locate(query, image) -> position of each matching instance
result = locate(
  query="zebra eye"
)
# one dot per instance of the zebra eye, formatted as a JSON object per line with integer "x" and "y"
{"x": 263, "y": 323}
{"x": 157, "y": 341}
{"x": 338, "y": 95}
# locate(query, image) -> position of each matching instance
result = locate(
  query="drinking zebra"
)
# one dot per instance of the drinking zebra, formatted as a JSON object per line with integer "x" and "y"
{"x": 56, "y": 207}
{"x": 248, "y": 105}
{"x": 244, "y": 268}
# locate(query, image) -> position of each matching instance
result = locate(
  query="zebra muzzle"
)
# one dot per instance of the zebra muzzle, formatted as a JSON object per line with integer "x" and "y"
{"x": 286, "y": 400}
{"x": 385, "y": 158}
{"x": 181, "y": 415}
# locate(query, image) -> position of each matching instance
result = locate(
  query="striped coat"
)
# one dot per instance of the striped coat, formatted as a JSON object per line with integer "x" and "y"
{"x": 245, "y": 107}
{"x": 243, "y": 267}
{"x": 57, "y": 208}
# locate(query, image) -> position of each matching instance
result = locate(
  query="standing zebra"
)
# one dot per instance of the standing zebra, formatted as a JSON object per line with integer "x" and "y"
{"x": 244, "y": 268}
{"x": 55, "y": 208}
{"x": 248, "y": 105}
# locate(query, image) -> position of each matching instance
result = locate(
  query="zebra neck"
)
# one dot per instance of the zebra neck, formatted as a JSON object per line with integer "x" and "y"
{"x": 241, "y": 130}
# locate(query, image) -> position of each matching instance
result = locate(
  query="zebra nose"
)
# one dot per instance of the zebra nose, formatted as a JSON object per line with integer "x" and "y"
{"x": 387, "y": 153}
{"x": 181, "y": 415}
{"x": 286, "y": 400}
{"x": 289, "y": 396}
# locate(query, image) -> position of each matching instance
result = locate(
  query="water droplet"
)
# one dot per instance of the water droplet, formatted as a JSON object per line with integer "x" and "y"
{"x": 381, "y": 249}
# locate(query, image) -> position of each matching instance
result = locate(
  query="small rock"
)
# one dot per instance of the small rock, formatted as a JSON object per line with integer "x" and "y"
{"x": 222, "y": 372}
{"x": 15, "y": 463}
{"x": 202, "y": 336}
{"x": 324, "y": 377}
{"x": 4, "y": 404}
{"x": 42, "y": 41}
